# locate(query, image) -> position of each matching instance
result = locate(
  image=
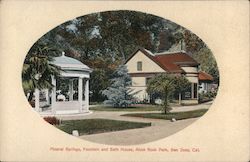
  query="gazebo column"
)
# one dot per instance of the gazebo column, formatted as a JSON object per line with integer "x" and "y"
{"x": 80, "y": 93}
{"x": 53, "y": 95}
{"x": 47, "y": 96}
{"x": 71, "y": 89}
{"x": 86, "y": 94}
{"x": 37, "y": 98}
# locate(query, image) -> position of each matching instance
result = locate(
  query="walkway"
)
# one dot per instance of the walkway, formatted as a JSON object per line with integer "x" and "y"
{"x": 205, "y": 105}
{"x": 159, "y": 129}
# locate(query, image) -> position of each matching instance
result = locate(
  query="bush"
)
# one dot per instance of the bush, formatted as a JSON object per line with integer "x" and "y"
{"x": 52, "y": 120}
{"x": 205, "y": 97}
{"x": 212, "y": 94}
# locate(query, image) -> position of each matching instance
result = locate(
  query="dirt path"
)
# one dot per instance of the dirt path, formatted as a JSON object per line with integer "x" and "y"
{"x": 159, "y": 129}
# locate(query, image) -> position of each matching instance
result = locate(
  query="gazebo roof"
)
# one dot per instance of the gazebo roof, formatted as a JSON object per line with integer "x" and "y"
{"x": 69, "y": 63}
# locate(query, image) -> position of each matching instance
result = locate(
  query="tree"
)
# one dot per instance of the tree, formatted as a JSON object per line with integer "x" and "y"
{"x": 207, "y": 63}
{"x": 113, "y": 35}
{"x": 99, "y": 81}
{"x": 162, "y": 84}
{"x": 119, "y": 93}
{"x": 37, "y": 70}
{"x": 196, "y": 48}
{"x": 166, "y": 40}
{"x": 181, "y": 84}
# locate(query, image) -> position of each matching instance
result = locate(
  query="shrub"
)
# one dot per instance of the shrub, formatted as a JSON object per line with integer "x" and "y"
{"x": 52, "y": 120}
{"x": 205, "y": 97}
{"x": 32, "y": 103}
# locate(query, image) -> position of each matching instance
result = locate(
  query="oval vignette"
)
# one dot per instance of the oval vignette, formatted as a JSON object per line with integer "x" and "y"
{"x": 114, "y": 75}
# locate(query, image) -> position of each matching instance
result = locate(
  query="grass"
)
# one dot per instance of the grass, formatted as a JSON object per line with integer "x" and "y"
{"x": 134, "y": 108}
{"x": 169, "y": 116}
{"x": 93, "y": 126}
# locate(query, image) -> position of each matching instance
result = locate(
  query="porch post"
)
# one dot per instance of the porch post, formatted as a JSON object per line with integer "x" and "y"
{"x": 53, "y": 95}
{"x": 37, "y": 98}
{"x": 80, "y": 93}
{"x": 86, "y": 94}
{"x": 192, "y": 90}
{"x": 71, "y": 88}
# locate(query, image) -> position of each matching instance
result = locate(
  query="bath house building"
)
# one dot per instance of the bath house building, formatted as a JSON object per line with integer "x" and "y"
{"x": 143, "y": 65}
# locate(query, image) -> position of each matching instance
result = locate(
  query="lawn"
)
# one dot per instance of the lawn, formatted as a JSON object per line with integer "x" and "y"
{"x": 169, "y": 116}
{"x": 133, "y": 108}
{"x": 93, "y": 126}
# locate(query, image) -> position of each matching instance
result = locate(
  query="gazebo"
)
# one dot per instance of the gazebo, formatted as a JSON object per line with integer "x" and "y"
{"x": 71, "y": 69}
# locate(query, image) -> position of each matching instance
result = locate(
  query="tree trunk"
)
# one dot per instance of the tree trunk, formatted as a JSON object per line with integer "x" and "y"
{"x": 179, "y": 98}
{"x": 30, "y": 96}
{"x": 165, "y": 105}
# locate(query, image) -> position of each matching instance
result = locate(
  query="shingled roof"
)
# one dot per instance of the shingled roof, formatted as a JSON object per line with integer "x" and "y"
{"x": 205, "y": 76}
{"x": 170, "y": 62}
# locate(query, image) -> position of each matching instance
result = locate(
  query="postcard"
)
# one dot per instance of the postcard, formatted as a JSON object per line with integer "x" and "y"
{"x": 124, "y": 81}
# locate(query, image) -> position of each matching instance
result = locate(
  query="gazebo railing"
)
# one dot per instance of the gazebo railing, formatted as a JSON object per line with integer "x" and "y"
{"x": 66, "y": 107}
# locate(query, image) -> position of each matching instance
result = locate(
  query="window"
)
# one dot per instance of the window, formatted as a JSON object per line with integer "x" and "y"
{"x": 147, "y": 80}
{"x": 188, "y": 93}
{"x": 139, "y": 66}
{"x": 191, "y": 92}
{"x": 195, "y": 90}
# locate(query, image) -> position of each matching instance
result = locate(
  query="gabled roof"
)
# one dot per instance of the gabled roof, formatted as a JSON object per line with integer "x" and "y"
{"x": 170, "y": 62}
{"x": 205, "y": 76}
{"x": 173, "y": 62}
